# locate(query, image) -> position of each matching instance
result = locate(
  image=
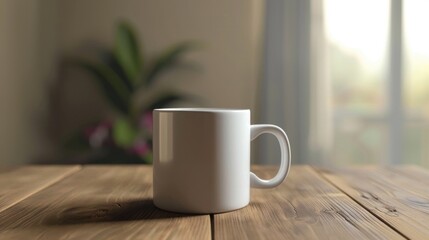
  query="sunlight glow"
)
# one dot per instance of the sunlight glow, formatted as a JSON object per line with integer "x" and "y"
{"x": 416, "y": 40}
{"x": 357, "y": 32}
{"x": 359, "y": 26}
{"x": 416, "y": 28}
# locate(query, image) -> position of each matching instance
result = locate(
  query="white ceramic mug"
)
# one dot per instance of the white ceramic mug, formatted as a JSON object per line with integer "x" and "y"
{"x": 202, "y": 159}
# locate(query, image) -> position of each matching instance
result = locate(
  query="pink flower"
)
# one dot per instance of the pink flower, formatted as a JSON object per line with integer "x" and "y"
{"x": 146, "y": 121}
{"x": 140, "y": 148}
{"x": 98, "y": 135}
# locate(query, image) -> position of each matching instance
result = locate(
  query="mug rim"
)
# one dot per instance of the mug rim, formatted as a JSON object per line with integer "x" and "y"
{"x": 205, "y": 110}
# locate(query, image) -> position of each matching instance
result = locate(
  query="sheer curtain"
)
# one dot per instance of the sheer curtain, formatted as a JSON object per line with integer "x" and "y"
{"x": 295, "y": 92}
{"x": 348, "y": 80}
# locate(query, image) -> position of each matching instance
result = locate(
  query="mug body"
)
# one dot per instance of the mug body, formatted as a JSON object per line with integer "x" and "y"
{"x": 201, "y": 159}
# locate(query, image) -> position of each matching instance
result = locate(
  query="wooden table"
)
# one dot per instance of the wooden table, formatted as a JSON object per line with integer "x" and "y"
{"x": 114, "y": 202}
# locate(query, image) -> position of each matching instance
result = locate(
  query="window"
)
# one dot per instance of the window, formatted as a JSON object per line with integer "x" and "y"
{"x": 416, "y": 82}
{"x": 377, "y": 49}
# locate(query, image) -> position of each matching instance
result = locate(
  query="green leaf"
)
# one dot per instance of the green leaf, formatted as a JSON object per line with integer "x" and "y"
{"x": 148, "y": 159}
{"x": 113, "y": 88}
{"x": 76, "y": 142}
{"x": 124, "y": 132}
{"x": 108, "y": 58}
{"x": 164, "y": 100}
{"x": 127, "y": 51}
{"x": 166, "y": 60}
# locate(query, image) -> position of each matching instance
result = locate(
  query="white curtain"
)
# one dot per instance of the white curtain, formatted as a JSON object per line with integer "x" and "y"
{"x": 294, "y": 88}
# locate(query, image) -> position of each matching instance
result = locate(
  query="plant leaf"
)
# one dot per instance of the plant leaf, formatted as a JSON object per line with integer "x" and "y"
{"x": 167, "y": 60}
{"x": 113, "y": 88}
{"x": 127, "y": 51}
{"x": 124, "y": 132}
{"x": 111, "y": 61}
{"x": 164, "y": 100}
{"x": 76, "y": 142}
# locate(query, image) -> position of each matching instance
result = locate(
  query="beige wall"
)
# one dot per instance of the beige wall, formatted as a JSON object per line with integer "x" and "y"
{"x": 230, "y": 31}
{"x": 25, "y": 66}
{"x": 41, "y": 32}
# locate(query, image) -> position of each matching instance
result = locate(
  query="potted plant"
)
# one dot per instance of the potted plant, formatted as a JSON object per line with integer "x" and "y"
{"x": 122, "y": 74}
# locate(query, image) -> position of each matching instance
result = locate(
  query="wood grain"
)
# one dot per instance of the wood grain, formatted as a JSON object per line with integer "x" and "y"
{"x": 18, "y": 183}
{"x": 400, "y": 199}
{"x": 99, "y": 202}
{"x": 304, "y": 207}
{"x": 412, "y": 171}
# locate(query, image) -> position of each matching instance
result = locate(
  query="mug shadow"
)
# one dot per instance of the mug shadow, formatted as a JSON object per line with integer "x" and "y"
{"x": 112, "y": 212}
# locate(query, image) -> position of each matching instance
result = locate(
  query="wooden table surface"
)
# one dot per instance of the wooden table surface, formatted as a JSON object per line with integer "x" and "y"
{"x": 115, "y": 202}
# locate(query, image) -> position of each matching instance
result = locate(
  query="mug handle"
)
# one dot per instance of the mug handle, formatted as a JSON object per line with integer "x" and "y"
{"x": 255, "y": 131}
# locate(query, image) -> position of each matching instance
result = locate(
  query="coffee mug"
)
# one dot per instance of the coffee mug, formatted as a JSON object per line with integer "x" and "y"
{"x": 202, "y": 159}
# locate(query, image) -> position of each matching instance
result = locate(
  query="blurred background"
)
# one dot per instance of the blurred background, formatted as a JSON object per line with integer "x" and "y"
{"x": 348, "y": 80}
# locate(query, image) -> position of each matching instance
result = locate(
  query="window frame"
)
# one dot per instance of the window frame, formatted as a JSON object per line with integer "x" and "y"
{"x": 395, "y": 83}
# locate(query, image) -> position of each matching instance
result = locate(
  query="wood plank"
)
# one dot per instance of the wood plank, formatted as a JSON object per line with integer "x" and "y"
{"x": 18, "y": 183}
{"x": 100, "y": 202}
{"x": 304, "y": 207}
{"x": 418, "y": 173}
{"x": 401, "y": 200}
